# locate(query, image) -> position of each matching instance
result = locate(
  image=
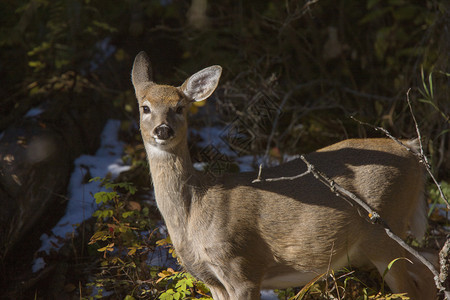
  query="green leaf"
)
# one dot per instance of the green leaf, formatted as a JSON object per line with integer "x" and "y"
{"x": 37, "y": 65}
{"x": 100, "y": 235}
{"x": 145, "y": 211}
{"x": 184, "y": 284}
{"x": 109, "y": 247}
{"x": 167, "y": 295}
{"x": 104, "y": 197}
{"x": 104, "y": 26}
{"x": 427, "y": 93}
{"x": 127, "y": 214}
{"x": 95, "y": 179}
{"x": 389, "y": 267}
{"x": 43, "y": 47}
{"x": 430, "y": 84}
{"x": 107, "y": 213}
{"x": 132, "y": 189}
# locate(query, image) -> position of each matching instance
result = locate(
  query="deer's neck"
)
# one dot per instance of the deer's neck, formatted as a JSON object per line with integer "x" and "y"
{"x": 173, "y": 179}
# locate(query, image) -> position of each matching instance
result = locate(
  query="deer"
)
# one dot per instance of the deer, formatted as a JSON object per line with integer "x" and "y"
{"x": 239, "y": 236}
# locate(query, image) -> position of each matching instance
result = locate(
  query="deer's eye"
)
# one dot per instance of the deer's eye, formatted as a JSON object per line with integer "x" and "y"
{"x": 179, "y": 110}
{"x": 145, "y": 109}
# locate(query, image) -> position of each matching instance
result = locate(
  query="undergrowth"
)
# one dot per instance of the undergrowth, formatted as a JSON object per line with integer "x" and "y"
{"x": 124, "y": 240}
{"x": 125, "y": 237}
{"x": 318, "y": 61}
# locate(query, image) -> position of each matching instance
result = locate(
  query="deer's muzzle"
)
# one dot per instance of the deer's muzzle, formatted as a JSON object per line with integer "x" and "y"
{"x": 163, "y": 132}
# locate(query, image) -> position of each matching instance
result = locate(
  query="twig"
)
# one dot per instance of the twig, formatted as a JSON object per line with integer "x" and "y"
{"x": 374, "y": 217}
{"x": 444, "y": 254}
{"x": 388, "y": 134}
{"x": 422, "y": 155}
{"x": 419, "y": 136}
{"x": 422, "y": 158}
{"x": 338, "y": 190}
{"x": 280, "y": 110}
{"x": 260, "y": 179}
{"x": 331, "y": 274}
{"x": 444, "y": 260}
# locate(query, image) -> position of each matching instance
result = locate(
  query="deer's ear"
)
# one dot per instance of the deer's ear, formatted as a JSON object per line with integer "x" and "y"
{"x": 202, "y": 84}
{"x": 142, "y": 70}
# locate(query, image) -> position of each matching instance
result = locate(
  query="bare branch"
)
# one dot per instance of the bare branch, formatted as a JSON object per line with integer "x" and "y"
{"x": 439, "y": 278}
{"x": 260, "y": 179}
{"x": 419, "y": 136}
{"x": 444, "y": 261}
{"x": 422, "y": 157}
{"x": 388, "y": 134}
{"x": 373, "y": 216}
{"x": 338, "y": 190}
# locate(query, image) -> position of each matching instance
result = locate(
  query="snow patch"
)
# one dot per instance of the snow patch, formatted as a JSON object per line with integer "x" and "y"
{"x": 107, "y": 160}
{"x": 211, "y": 140}
{"x": 34, "y": 112}
{"x": 105, "y": 50}
{"x": 81, "y": 204}
{"x": 442, "y": 210}
{"x": 268, "y": 295}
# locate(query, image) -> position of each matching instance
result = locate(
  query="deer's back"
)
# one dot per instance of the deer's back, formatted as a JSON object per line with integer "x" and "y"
{"x": 289, "y": 217}
{"x": 379, "y": 171}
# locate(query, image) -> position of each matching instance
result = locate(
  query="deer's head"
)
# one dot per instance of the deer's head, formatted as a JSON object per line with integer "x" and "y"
{"x": 163, "y": 108}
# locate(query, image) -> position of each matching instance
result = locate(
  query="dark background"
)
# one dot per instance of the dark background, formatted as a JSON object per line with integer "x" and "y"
{"x": 319, "y": 62}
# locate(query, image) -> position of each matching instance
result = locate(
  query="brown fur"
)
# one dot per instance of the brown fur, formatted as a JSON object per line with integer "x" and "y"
{"x": 238, "y": 236}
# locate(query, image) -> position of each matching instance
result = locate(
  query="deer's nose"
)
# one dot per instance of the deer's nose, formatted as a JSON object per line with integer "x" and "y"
{"x": 163, "y": 132}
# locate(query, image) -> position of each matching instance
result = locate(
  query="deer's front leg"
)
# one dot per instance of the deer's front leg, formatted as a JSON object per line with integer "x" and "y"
{"x": 237, "y": 292}
{"x": 237, "y": 282}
